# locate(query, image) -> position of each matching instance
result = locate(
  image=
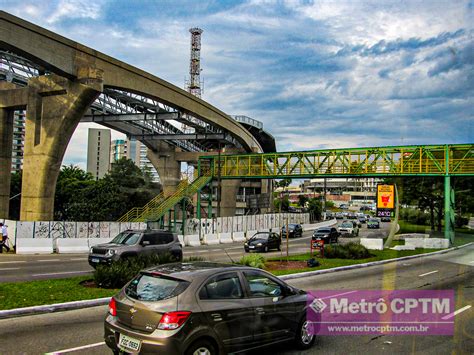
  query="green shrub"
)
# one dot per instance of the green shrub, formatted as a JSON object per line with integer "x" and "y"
{"x": 350, "y": 250}
{"x": 253, "y": 260}
{"x": 120, "y": 272}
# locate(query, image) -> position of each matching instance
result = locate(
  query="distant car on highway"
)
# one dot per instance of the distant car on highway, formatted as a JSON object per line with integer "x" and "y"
{"x": 206, "y": 308}
{"x": 263, "y": 242}
{"x": 362, "y": 219}
{"x": 373, "y": 223}
{"x": 339, "y": 215}
{"x": 344, "y": 206}
{"x": 132, "y": 243}
{"x": 385, "y": 219}
{"x": 328, "y": 234}
{"x": 349, "y": 228}
{"x": 294, "y": 230}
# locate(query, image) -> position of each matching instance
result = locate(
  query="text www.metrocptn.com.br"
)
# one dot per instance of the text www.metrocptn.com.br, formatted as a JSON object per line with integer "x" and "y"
{"x": 393, "y": 329}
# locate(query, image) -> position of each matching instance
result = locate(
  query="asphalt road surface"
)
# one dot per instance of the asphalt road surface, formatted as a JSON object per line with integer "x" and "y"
{"x": 80, "y": 331}
{"x": 39, "y": 267}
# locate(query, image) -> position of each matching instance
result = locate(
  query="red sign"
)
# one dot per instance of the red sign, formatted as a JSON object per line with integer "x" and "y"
{"x": 317, "y": 244}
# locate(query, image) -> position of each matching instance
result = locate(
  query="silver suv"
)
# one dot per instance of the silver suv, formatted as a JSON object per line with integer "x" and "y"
{"x": 131, "y": 243}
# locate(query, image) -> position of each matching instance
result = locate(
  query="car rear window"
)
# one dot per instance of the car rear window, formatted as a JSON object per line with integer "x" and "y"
{"x": 323, "y": 231}
{"x": 153, "y": 287}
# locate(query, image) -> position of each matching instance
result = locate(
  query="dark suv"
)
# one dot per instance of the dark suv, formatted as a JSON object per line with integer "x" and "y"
{"x": 206, "y": 308}
{"x": 131, "y": 243}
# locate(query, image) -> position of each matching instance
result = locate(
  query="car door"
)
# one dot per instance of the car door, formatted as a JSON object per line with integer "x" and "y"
{"x": 273, "y": 241}
{"x": 227, "y": 310}
{"x": 274, "y": 313}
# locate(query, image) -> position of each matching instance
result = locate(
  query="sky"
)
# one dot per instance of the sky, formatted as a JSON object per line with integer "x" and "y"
{"x": 318, "y": 74}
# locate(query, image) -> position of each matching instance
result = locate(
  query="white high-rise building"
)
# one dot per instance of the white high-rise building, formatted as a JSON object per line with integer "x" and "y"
{"x": 98, "y": 152}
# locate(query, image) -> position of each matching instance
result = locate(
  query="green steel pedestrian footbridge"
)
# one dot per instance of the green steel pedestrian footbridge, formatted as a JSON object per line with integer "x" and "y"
{"x": 394, "y": 161}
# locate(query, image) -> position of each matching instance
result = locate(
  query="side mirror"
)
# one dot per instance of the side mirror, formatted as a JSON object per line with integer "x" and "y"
{"x": 145, "y": 243}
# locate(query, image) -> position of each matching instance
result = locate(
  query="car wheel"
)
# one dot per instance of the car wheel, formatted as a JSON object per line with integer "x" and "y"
{"x": 201, "y": 347}
{"x": 304, "y": 339}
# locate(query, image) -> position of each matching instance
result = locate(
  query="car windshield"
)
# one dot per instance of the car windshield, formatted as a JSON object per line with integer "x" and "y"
{"x": 373, "y": 220}
{"x": 346, "y": 224}
{"x": 126, "y": 238}
{"x": 151, "y": 287}
{"x": 323, "y": 231}
{"x": 260, "y": 236}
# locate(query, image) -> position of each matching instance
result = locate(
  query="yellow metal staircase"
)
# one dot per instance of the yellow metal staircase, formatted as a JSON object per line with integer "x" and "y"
{"x": 137, "y": 214}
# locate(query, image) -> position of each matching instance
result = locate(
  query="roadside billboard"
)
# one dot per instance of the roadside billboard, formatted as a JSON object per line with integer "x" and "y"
{"x": 385, "y": 200}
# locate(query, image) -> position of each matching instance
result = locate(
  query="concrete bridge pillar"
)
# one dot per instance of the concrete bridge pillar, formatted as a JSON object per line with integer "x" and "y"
{"x": 163, "y": 158}
{"x": 6, "y": 141}
{"x": 11, "y": 98}
{"x": 55, "y": 107}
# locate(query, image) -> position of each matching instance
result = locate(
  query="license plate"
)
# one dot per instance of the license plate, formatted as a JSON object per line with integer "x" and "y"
{"x": 251, "y": 247}
{"x": 129, "y": 344}
{"x": 95, "y": 260}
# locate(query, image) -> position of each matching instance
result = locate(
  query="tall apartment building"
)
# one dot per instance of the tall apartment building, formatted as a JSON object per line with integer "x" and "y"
{"x": 98, "y": 152}
{"x": 134, "y": 150}
{"x": 18, "y": 141}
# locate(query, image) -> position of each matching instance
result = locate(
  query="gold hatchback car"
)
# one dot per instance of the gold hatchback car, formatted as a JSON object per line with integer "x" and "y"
{"x": 205, "y": 308}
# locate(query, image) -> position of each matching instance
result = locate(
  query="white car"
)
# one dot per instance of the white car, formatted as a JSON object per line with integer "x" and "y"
{"x": 349, "y": 227}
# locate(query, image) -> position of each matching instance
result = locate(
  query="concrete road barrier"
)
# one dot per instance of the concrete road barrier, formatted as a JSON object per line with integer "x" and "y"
{"x": 435, "y": 243}
{"x": 225, "y": 238}
{"x": 211, "y": 239}
{"x": 71, "y": 246}
{"x": 238, "y": 236}
{"x": 415, "y": 242}
{"x": 192, "y": 240}
{"x": 372, "y": 243}
{"x": 34, "y": 246}
{"x": 97, "y": 241}
{"x": 403, "y": 247}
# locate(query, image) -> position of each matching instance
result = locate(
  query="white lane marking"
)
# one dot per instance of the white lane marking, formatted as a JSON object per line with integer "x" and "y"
{"x": 451, "y": 315}
{"x": 46, "y": 260}
{"x": 60, "y": 273}
{"x": 9, "y": 268}
{"x": 428, "y": 273}
{"x": 88, "y": 346}
{"x": 339, "y": 294}
{"x": 11, "y": 262}
{"x": 76, "y": 259}
{"x": 471, "y": 262}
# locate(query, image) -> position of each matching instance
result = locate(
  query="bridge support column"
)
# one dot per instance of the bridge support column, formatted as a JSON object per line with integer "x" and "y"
{"x": 169, "y": 169}
{"x": 449, "y": 222}
{"x": 11, "y": 98}
{"x": 55, "y": 107}
{"x": 229, "y": 190}
{"x": 6, "y": 141}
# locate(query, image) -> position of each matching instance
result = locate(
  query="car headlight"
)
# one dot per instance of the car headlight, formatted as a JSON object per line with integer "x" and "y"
{"x": 110, "y": 252}
{"x": 259, "y": 244}
{"x": 326, "y": 235}
{"x": 91, "y": 250}
{"x": 246, "y": 244}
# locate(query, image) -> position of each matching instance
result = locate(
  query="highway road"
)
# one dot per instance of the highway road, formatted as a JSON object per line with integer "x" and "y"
{"x": 80, "y": 331}
{"x": 39, "y": 267}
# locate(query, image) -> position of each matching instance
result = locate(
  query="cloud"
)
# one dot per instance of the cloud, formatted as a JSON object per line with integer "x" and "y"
{"x": 75, "y": 9}
{"x": 316, "y": 73}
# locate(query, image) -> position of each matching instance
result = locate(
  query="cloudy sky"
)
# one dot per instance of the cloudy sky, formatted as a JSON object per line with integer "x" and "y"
{"x": 318, "y": 74}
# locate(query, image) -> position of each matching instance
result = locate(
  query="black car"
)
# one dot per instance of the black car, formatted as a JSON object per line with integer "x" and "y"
{"x": 131, "y": 243}
{"x": 385, "y": 219}
{"x": 328, "y": 234}
{"x": 294, "y": 230}
{"x": 373, "y": 223}
{"x": 206, "y": 308}
{"x": 263, "y": 242}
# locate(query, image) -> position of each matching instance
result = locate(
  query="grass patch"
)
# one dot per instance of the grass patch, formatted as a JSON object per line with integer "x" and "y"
{"x": 332, "y": 263}
{"x": 407, "y": 227}
{"x": 35, "y": 293}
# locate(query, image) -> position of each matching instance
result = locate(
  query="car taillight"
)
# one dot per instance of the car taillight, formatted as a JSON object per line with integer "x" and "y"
{"x": 112, "y": 307}
{"x": 173, "y": 320}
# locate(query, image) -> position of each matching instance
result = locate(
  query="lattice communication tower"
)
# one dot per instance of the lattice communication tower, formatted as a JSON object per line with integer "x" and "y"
{"x": 194, "y": 84}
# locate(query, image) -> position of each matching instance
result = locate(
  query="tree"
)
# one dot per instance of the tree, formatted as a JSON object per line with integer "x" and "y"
{"x": 315, "y": 208}
{"x": 15, "y": 196}
{"x": 282, "y": 204}
{"x": 302, "y": 199}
